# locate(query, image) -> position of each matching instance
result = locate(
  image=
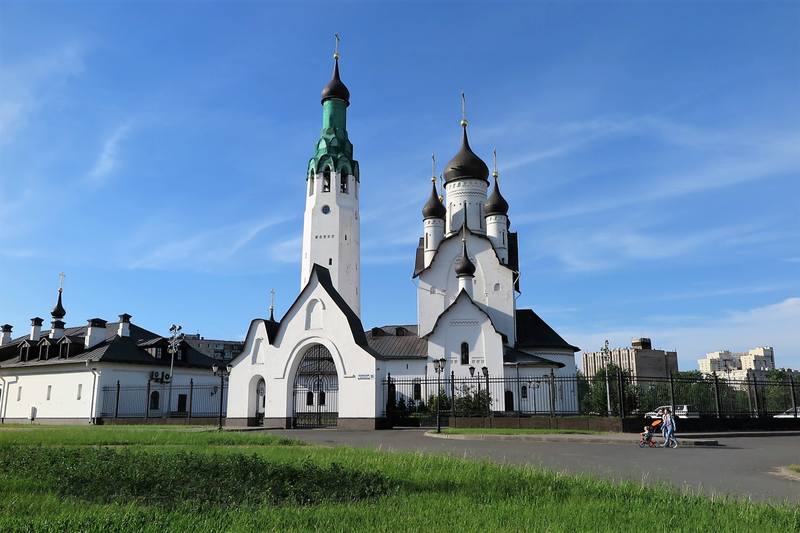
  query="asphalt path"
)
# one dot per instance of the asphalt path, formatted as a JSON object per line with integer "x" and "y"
{"x": 742, "y": 467}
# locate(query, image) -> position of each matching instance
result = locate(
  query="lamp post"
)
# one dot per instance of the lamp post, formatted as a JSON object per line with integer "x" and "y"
{"x": 222, "y": 373}
{"x": 438, "y": 366}
{"x": 607, "y": 361}
{"x": 174, "y": 345}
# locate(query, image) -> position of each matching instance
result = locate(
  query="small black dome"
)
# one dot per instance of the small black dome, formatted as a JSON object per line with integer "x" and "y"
{"x": 463, "y": 266}
{"x": 434, "y": 208}
{"x": 496, "y": 204}
{"x": 336, "y": 88}
{"x": 58, "y": 311}
{"x": 465, "y": 164}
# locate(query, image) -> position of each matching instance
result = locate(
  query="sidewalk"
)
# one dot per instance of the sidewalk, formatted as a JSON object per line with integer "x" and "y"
{"x": 609, "y": 438}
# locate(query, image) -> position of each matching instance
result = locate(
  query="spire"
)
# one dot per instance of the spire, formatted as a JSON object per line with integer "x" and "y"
{"x": 272, "y": 305}
{"x": 336, "y": 88}
{"x": 434, "y": 208}
{"x": 495, "y": 204}
{"x": 58, "y": 311}
{"x": 465, "y": 164}
{"x": 464, "y": 266}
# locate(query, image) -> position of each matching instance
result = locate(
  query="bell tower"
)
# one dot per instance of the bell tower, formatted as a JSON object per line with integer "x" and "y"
{"x": 331, "y": 230}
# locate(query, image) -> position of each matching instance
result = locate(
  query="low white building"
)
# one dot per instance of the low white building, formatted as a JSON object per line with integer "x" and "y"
{"x": 98, "y": 371}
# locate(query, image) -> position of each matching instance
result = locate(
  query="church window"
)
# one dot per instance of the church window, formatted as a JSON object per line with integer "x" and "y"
{"x": 80, "y": 390}
{"x": 330, "y": 261}
{"x": 19, "y": 394}
{"x": 309, "y": 398}
{"x": 155, "y": 398}
{"x": 464, "y": 353}
{"x": 496, "y": 287}
{"x": 343, "y": 182}
{"x": 417, "y": 391}
{"x": 326, "y": 209}
{"x": 311, "y": 185}
{"x": 509, "y": 400}
{"x": 326, "y": 180}
{"x": 503, "y": 233}
{"x": 49, "y": 390}
{"x": 322, "y": 397}
{"x": 524, "y": 392}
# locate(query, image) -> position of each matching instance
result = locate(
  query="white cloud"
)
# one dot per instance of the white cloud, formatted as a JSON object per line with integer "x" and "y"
{"x": 106, "y": 161}
{"x": 771, "y": 325}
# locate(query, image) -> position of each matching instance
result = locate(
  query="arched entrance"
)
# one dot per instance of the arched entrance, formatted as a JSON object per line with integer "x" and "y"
{"x": 261, "y": 401}
{"x": 316, "y": 390}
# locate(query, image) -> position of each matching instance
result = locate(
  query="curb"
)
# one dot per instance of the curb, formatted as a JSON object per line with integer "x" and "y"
{"x": 587, "y": 439}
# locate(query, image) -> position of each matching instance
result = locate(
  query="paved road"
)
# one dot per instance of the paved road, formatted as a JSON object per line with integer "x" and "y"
{"x": 743, "y": 466}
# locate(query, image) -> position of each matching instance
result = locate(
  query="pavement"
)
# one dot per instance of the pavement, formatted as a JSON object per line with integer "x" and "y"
{"x": 602, "y": 438}
{"x": 749, "y": 467}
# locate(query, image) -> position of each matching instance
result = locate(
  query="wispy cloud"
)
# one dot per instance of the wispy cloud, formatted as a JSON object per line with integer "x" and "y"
{"x": 107, "y": 159}
{"x": 773, "y": 325}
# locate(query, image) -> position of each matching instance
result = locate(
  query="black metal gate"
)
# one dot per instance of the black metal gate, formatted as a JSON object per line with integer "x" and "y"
{"x": 316, "y": 390}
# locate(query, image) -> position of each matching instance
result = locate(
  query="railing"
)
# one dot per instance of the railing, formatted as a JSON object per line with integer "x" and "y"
{"x": 409, "y": 398}
{"x": 154, "y": 401}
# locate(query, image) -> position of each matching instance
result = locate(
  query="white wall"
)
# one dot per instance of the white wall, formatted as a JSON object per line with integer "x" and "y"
{"x": 64, "y": 401}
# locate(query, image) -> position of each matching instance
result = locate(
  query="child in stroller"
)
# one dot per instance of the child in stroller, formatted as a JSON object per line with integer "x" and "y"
{"x": 647, "y": 434}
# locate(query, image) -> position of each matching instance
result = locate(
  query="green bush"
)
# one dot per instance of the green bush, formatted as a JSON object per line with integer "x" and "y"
{"x": 128, "y": 476}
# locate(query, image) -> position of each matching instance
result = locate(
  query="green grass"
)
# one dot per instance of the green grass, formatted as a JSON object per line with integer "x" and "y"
{"x": 795, "y": 468}
{"x": 515, "y": 431}
{"x": 417, "y": 492}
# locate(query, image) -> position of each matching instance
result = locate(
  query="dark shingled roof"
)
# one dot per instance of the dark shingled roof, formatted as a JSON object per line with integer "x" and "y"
{"x": 514, "y": 357}
{"x": 336, "y": 88}
{"x": 533, "y": 332}
{"x": 397, "y": 342}
{"x": 465, "y": 164}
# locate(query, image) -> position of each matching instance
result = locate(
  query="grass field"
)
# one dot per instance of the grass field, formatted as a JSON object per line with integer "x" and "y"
{"x": 169, "y": 479}
{"x": 795, "y": 468}
{"x": 515, "y": 431}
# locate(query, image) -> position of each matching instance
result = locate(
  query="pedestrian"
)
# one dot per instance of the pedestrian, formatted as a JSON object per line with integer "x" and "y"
{"x": 669, "y": 429}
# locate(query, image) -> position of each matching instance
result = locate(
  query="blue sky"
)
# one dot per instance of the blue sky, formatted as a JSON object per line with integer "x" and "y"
{"x": 156, "y": 153}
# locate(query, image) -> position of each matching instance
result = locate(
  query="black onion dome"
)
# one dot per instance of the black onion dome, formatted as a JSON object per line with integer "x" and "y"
{"x": 463, "y": 266}
{"x": 465, "y": 164}
{"x": 434, "y": 208}
{"x": 58, "y": 311}
{"x": 336, "y": 88}
{"x": 496, "y": 204}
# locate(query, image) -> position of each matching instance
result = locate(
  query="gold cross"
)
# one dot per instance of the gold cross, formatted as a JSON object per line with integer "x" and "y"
{"x": 61, "y": 277}
{"x": 433, "y": 168}
{"x": 336, "y": 46}
{"x": 463, "y": 110}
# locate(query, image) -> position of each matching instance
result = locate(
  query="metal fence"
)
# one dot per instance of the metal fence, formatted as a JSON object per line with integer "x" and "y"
{"x": 409, "y": 398}
{"x": 159, "y": 400}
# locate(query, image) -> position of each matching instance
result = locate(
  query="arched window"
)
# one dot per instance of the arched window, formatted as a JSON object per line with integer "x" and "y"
{"x": 464, "y": 353}
{"x": 322, "y": 397}
{"x": 343, "y": 181}
{"x": 524, "y": 392}
{"x": 310, "y": 184}
{"x": 326, "y": 180}
{"x": 309, "y": 398}
{"x": 417, "y": 391}
{"x": 155, "y": 398}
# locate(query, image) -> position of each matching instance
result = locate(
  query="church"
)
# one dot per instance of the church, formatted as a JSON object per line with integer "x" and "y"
{"x": 318, "y": 367}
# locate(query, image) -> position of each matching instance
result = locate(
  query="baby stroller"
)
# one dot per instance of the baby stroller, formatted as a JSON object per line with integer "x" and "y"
{"x": 647, "y": 434}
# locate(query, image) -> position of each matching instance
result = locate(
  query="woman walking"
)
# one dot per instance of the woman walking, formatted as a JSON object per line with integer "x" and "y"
{"x": 669, "y": 429}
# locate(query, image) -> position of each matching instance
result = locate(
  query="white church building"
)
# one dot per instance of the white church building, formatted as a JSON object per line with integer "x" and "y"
{"x": 318, "y": 366}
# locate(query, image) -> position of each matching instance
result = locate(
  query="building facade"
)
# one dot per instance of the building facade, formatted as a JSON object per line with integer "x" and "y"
{"x": 739, "y": 365}
{"x": 318, "y": 366}
{"x": 640, "y": 359}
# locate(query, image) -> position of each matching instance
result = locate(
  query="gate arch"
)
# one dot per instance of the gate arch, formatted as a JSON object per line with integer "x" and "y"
{"x": 316, "y": 390}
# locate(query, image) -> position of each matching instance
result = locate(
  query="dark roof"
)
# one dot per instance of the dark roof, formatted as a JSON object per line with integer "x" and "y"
{"x": 495, "y": 204}
{"x": 513, "y": 257}
{"x": 434, "y": 208}
{"x": 397, "y": 341}
{"x": 533, "y": 332}
{"x": 465, "y": 164}
{"x": 336, "y": 88}
{"x": 516, "y": 357}
{"x": 464, "y": 265}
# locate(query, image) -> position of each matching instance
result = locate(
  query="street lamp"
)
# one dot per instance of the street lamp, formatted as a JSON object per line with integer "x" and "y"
{"x": 222, "y": 373}
{"x": 174, "y": 345}
{"x": 607, "y": 360}
{"x": 438, "y": 366}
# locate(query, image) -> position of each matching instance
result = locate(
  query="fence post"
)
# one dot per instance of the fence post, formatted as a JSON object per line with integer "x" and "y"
{"x": 191, "y": 396}
{"x": 621, "y": 387}
{"x": 453, "y": 396}
{"x": 518, "y": 399}
{"x": 388, "y": 399}
{"x": 147, "y": 401}
{"x": 791, "y": 388}
{"x": 552, "y": 394}
{"x": 716, "y": 395}
{"x": 488, "y": 401}
{"x": 671, "y": 391}
{"x": 755, "y": 396}
{"x": 116, "y": 403}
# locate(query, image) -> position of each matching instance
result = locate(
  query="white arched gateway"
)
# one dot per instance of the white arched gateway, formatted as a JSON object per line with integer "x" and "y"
{"x": 316, "y": 390}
